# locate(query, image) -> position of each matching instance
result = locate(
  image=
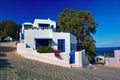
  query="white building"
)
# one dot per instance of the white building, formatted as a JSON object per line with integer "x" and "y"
{"x": 43, "y": 33}
{"x": 8, "y": 38}
{"x": 99, "y": 59}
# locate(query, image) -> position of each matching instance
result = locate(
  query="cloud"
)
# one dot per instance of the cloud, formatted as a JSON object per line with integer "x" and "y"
{"x": 109, "y": 44}
{"x": 116, "y": 36}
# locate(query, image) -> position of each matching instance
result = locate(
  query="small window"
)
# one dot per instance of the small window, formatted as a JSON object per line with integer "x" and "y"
{"x": 44, "y": 26}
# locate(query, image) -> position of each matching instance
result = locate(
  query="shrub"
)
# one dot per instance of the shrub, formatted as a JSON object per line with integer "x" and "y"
{"x": 109, "y": 55}
{"x": 31, "y": 27}
{"x": 45, "y": 49}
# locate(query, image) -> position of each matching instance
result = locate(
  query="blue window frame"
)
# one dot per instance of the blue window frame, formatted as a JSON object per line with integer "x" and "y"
{"x": 61, "y": 45}
{"x": 22, "y": 36}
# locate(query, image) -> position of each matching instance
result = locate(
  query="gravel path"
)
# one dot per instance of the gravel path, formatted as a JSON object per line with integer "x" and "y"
{"x": 15, "y": 67}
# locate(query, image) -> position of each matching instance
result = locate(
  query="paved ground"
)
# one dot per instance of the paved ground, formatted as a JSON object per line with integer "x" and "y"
{"x": 15, "y": 67}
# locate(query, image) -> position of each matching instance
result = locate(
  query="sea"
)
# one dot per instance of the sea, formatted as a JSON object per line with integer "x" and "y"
{"x": 106, "y": 50}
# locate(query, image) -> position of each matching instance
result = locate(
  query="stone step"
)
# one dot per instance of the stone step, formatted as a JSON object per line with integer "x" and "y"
{"x": 74, "y": 65}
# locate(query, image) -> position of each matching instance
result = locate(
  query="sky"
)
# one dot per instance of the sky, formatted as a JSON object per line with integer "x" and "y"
{"x": 105, "y": 12}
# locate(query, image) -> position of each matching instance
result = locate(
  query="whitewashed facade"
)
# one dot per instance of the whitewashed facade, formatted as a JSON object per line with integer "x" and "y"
{"x": 43, "y": 33}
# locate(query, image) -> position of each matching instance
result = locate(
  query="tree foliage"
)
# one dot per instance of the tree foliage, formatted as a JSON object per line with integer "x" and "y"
{"x": 82, "y": 25}
{"x": 9, "y": 28}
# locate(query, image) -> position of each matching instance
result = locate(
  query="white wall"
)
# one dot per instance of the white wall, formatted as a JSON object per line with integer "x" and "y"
{"x": 45, "y": 57}
{"x": 43, "y": 21}
{"x": 114, "y": 60}
{"x": 60, "y": 35}
{"x": 30, "y": 35}
{"x": 81, "y": 59}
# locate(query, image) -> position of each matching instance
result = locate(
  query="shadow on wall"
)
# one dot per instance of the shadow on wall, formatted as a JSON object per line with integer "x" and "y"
{"x": 53, "y": 43}
{"x": 27, "y": 46}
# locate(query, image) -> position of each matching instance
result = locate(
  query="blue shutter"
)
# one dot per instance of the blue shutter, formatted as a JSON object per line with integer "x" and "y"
{"x": 72, "y": 58}
{"x": 61, "y": 45}
{"x": 22, "y": 36}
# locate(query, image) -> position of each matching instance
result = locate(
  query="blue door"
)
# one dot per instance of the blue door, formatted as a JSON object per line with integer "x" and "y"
{"x": 61, "y": 45}
{"x": 22, "y": 36}
{"x": 72, "y": 58}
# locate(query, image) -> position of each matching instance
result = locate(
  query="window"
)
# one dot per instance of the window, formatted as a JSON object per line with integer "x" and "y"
{"x": 44, "y": 26}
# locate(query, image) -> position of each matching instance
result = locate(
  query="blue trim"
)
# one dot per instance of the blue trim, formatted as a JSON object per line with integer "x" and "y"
{"x": 22, "y": 36}
{"x": 61, "y": 45}
{"x": 20, "y": 29}
{"x": 43, "y": 38}
{"x": 28, "y": 25}
{"x": 72, "y": 58}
